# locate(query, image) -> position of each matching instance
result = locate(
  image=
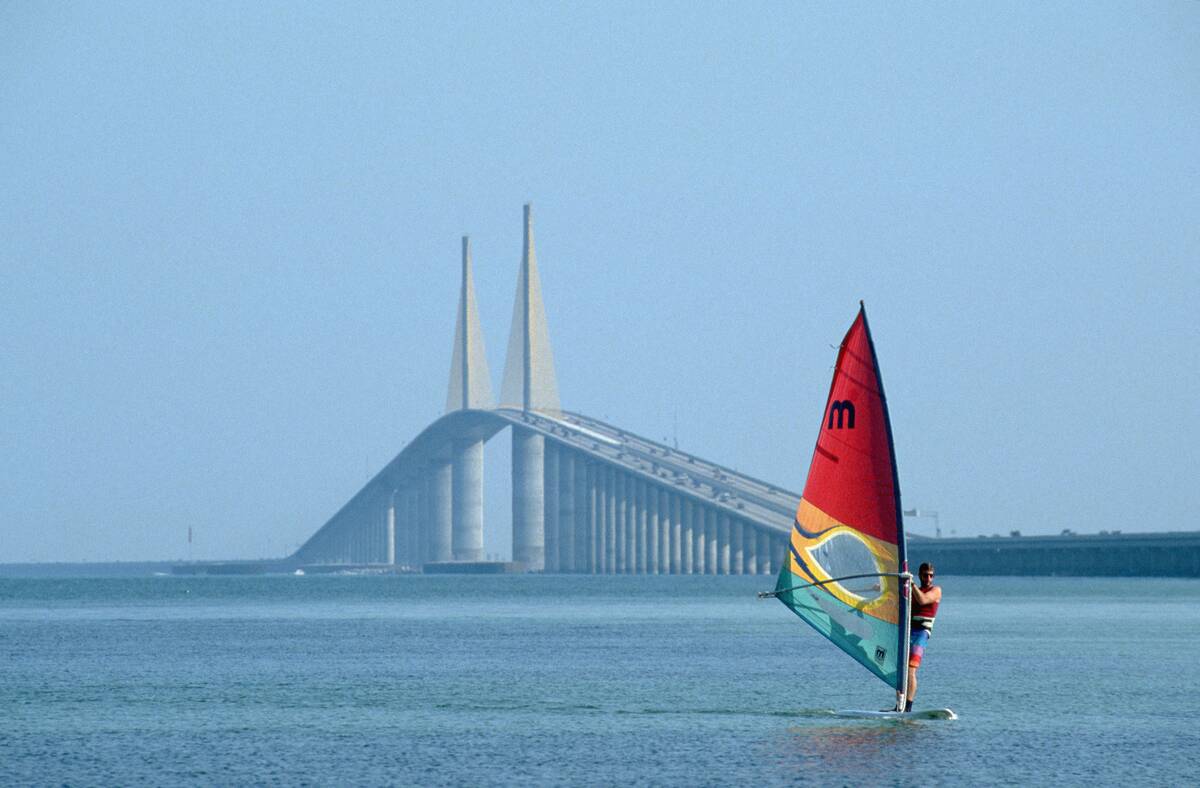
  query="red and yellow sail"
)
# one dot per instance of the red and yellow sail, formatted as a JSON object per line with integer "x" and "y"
{"x": 849, "y": 521}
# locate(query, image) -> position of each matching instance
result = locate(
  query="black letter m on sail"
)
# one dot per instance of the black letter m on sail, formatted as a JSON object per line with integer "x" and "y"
{"x": 842, "y": 408}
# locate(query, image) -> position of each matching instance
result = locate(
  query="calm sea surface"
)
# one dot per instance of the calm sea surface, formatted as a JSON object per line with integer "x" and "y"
{"x": 527, "y": 680}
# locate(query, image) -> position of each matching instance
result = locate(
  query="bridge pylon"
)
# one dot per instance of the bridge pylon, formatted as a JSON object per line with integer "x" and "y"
{"x": 529, "y": 379}
{"x": 470, "y": 389}
{"x": 470, "y": 383}
{"x": 529, "y": 385}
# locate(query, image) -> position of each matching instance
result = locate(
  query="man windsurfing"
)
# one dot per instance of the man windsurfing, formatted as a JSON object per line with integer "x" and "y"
{"x": 925, "y": 601}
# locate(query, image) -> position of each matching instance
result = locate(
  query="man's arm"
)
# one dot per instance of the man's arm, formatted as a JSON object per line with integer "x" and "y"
{"x": 927, "y": 597}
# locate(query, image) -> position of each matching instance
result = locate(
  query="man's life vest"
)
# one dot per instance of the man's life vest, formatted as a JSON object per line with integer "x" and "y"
{"x": 923, "y": 615}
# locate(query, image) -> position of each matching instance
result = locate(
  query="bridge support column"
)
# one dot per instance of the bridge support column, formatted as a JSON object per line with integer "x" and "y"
{"x": 566, "y": 510}
{"x": 699, "y": 539}
{"x": 595, "y": 536}
{"x": 416, "y": 537}
{"x": 610, "y": 521}
{"x": 528, "y": 499}
{"x": 467, "y": 536}
{"x": 379, "y": 531}
{"x": 618, "y": 498}
{"x": 376, "y": 528}
{"x": 419, "y": 539}
{"x": 751, "y": 548}
{"x": 709, "y": 541}
{"x": 664, "y": 532}
{"x": 723, "y": 544}
{"x": 391, "y": 529}
{"x": 551, "y": 548}
{"x": 689, "y": 536}
{"x": 583, "y": 514}
{"x": 676, "y": 535}
{"x": 379, "y": 547}
{"x": 737, "y": 544}
{"x": 640, "y": 508}
{"x": 764, "y": 553}
{"x": 652, "y": 529}
{"x": 441, "y": 518}
{"x": 630, "y": 525}
{"x": 412, "y": 533}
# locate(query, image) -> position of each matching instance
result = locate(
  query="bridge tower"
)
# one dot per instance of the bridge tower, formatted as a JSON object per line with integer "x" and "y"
{"x": 529, "y": 385}
{"x": 456, "y": 486}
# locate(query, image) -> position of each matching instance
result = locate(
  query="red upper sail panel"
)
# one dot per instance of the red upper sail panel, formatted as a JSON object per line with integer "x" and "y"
{"x": 853, "y": 473}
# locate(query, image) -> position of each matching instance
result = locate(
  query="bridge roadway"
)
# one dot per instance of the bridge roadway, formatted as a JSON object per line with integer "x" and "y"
{"x": 712, "y": 519}
{"x": 742, "y": 495}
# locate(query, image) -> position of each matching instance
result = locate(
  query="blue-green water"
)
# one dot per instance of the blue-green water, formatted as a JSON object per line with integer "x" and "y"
{"x": 502, "y": 680}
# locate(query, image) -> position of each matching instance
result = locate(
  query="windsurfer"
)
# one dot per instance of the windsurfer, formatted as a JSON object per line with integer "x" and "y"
{"x": 925, "y": 601}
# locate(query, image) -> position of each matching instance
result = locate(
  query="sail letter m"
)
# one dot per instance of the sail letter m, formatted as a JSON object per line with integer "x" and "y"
{"x": 841, "y": 408}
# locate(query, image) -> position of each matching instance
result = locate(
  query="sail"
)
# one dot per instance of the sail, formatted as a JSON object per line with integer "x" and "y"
{"x": 849, "y": 522}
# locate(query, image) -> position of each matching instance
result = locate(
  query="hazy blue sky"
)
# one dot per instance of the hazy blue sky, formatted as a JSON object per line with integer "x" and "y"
{"x": 229, "y": 249}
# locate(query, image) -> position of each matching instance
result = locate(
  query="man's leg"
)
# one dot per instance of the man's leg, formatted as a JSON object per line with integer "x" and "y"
{"x": 912, "y": 688}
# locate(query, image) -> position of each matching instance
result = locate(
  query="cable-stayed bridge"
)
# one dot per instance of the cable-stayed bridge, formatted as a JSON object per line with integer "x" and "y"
{"x": 587, "y": 497}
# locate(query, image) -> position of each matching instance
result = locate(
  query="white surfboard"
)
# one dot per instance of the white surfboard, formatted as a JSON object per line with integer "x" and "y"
{"x": 924, "y": 714}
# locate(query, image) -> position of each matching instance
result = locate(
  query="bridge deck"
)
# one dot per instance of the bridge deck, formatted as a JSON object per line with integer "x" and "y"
{"x": 744, "y": 496}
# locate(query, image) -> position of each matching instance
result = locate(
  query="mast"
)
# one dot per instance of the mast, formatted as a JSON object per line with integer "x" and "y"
{"x": 902, "y": 538}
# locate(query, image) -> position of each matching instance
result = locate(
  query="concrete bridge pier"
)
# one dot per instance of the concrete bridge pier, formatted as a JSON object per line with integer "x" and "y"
{"x": 621, "y": 497}
{"x": 565, "y": 540}
{"x": 467, "y": 503}
{"x": 414, "y": 491}
{"x": 600, "y": 524}
{"x": 528, "y": 504}
{"x": 595, "y": 519}
{"x": 610, "y": 521}
{"x": 416, "y": 534}
{"x": 664, "y": 533}
{"x": 642, "y": 521}
{"x": 652, "y": 530}
{"x": 723, "y": 544}
{"x": 630, "y": 524}
{"x": 737, "y": 546}
{"x": 751, "y": 549}
{"x": 676, "y": 535}
{"x": 440, "y": 528}
{"x": 699, "y": 540}
{"x": 550, "y": 509}
{"x": 688, "y": 549}
{"x": 377, "y": 531}
{"x": 391, "y": 529}
{"x": 582, "y": 515}
{"x": 711, "y": 541}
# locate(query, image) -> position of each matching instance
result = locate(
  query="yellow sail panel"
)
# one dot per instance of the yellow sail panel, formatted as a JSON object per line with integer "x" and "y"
{"x": 823, "y": 548}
